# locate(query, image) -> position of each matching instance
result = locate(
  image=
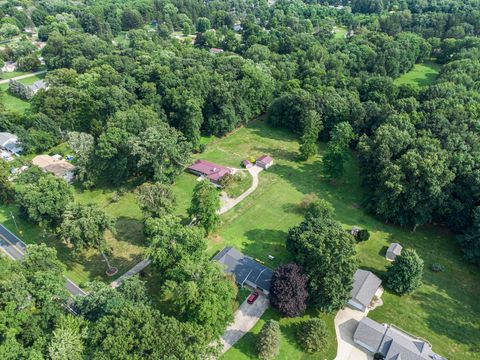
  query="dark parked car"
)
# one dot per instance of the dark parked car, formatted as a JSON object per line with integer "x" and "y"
{"x": 253, "y": 296}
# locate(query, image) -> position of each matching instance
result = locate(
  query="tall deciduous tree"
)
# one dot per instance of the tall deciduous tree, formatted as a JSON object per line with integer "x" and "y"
{"x": 45, "y": 200}
{"x": 7, "y": 191}
{"x": 268, "y": 344}
{"x": 327, "y": 254}
{"x": 470, "y": 241}
{"x": 155, "y": 199}
{"x": 312, "y": 335}
{"x": 308, "y": 141}
{"x": 335, "y": 156}
{"x": 289, "y": 290}
{"x": 204, "y": 206}
{"x": 84, "y": 227}
{"x": 405, "y": 275}
{"x": 68, "y": 339}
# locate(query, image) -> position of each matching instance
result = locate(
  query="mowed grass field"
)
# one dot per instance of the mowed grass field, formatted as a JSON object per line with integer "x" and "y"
{"x": 126, "y": 246}
{"x": 421, "y": 75}
{"x": 445, "y": 310}
{"x": 14, "y": 103}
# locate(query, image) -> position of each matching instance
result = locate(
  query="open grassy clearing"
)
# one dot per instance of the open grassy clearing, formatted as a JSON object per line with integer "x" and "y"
{"x": 445, "y": 310}
{"x": 243, "y": 180}
{"x": 340, "y": 32}
{"x": 127, "y": 245}
{"x": 421, "y": 75}
{"x": 14, "y": 103}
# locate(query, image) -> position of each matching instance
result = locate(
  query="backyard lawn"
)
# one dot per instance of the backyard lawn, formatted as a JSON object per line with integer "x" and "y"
{"x": 445, "y": 310}
{"x": 14, "y": 103}
{"x": 127, "y": 245}
{"x": 421, "y": 75}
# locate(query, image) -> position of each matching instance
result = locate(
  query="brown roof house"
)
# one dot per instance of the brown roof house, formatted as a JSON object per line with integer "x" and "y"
{"x": 55, "y": 165}
{"x": 207, "y": 169}
{"x": 264, "y": 161}
{"x": 366, "y": 286}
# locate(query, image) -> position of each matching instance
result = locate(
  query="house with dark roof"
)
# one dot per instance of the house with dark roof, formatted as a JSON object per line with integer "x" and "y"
{"x": 391, "y": 342}
{"x": 207, "y": 169}
{"x": 264, "y": 161}
{"x": 393, "y": 251}
{"x": 246, "y": 270}
{"x": 366, "y": 286}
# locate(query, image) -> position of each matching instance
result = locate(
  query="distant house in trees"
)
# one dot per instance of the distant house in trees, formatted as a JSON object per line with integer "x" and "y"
{"x": 55, "y": 165}
{"x": 264, "y": 161}
{"x": 9, "y": 142}
{"x": 37, "y": 86}
{"x": 215, "y": 51}
{"x": 207, "y": 169}
{"x": 393, "y": 251}
{"x": 245, "y": 269}
{"x": 391, "y": 342}
{"x": 9, "y": 66}
{"x": 366, "y": 286}
{"x": 26, "y": 91}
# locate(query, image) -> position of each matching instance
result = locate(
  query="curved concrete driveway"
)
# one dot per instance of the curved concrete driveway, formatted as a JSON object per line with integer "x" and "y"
{"x": 230, "y": 203}
{"x": 346, "y": 323}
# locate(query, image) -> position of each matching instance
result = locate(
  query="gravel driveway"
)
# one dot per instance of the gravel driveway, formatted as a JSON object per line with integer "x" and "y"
{"x": 246, "y": 317}
{"x": 346, "y": 323}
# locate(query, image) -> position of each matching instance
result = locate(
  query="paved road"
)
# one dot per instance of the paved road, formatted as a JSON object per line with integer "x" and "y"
{"x": 346, "y": 322}
{"x": 229, "y": 203}
{"x": 246, "y": 317}
{"x": 6, "y": 81}
{"x": 15, "y": 249}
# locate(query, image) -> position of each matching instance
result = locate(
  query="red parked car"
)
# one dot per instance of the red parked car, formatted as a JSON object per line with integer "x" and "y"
{"x": 253, "y": 296}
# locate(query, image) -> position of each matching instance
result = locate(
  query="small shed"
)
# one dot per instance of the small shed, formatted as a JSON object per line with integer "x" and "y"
{"x": 264, "y": 161}
{"x": 393, "y": 251}
{"x": 215, "y": 51}
{"x": 247, "y": 164}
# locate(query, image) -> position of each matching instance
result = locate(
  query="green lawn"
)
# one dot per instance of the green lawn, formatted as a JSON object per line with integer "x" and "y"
{"x": 421, "y": 75}
{"x": 243, "y": 180}
{"x": 14, "y": 103}
{"x": 127, "y": 245}
{"x": 445, "y": 311}
{"x": 340, "y": 32}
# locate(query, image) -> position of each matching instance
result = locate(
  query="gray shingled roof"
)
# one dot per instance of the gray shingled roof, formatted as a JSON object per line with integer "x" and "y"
{"x": 394, "y": 250}
{"x": 37, "y": 85}
{"x": 393, "y": 343}
{"x": 244, "y": 268}
{"x": 365, "y": 285}
{"x": 370, "y": 333}
{"x": 6, "y": 137}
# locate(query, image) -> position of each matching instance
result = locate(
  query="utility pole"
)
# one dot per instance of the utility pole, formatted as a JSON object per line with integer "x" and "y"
{"x": 14, "y": 221}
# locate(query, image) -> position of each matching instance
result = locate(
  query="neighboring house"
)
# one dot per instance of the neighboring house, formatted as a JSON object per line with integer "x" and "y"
{"x": 207, "y": 169}
{"x": 237, "y": 27}
{"x": 393, "y": 251}
{"x": 9, "y": 142}
{"x": 38, "y": 85}
{"x": 58, "y": 167}
{"x": 247, "y": 164}
{"x": 392, "y": 343}
{"x": 9, "y": 66}
{"x": 245, "y": 269}
{"x": 215, "y": 51}
{"x": 366, "y": 286}
{"x": 264, "y": 161}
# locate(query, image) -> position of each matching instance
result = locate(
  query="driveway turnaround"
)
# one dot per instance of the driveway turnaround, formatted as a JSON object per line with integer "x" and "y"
{"x": 15, "y": 249}
{"x": 346, "y": 323}
{"x": 246, "y": 317}
{"x": 230, "y": 203}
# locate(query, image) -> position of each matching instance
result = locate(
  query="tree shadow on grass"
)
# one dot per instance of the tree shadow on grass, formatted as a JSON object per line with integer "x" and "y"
{"x": 130, "y": 230}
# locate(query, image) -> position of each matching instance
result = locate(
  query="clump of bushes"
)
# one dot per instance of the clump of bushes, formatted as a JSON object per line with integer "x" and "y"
{"x": 363, "y": 235}
{"x": 268, "y": 345}
{"x": 436, "y": 267}
{"x": 405, "y": 275}
{"x": 312, "y": 335}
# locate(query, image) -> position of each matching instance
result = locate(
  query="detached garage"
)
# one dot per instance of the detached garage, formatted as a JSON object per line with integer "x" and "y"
{"x": 366, "y": 285}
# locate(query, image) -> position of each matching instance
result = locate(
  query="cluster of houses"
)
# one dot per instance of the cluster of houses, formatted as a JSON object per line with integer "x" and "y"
{"x": 215, "y": 172}
{"x": 387, "y": 341}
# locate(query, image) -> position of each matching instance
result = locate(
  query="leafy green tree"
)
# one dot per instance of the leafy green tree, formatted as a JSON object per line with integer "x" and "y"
{"x": 308, "y": 141}
{"x": 84, "y": 227}
{"x": 203, "y": 24}
{"x": 131, "y": 19}
{"x": 204, "y": 206}
{"x": 155, "y": 199}
{"x": 45, "y": 200}
{"x": 335, "y": 156}
{"x": 470, "y": 240}
{"x": 68, "y": 339}
{"x": 327, "y": 254}
{"x": 312, "y": 335}
{"x": 268, "y": 343}
{"x": 7, "y": 190}
{"x": 405, "y": 275}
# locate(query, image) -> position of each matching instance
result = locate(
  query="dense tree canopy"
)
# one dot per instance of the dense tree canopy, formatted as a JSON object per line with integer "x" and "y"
{"x": 289, "y": 290}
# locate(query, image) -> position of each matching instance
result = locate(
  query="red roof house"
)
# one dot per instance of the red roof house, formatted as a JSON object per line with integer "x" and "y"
{"x": 264, "y": 161}
{"x": 212, "y": 171}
